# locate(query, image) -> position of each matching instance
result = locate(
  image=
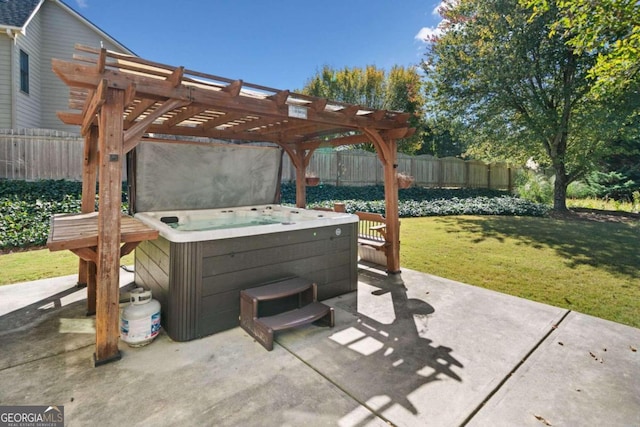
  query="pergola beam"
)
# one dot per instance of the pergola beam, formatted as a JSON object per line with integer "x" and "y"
{"x": 221, "y": 120}
{"x": 188, "y": 113}
{"x": 134, "y": 133}
{"x": 78, "y": 75}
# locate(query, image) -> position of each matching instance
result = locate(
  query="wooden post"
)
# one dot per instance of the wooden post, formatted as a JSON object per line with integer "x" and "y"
{"x": 108, "y": 281}
{"x": 391, "y": 207}
{"x": 301, "y": 184}
{"x": 89, "y": 174}
{"x": 387, "y": 150}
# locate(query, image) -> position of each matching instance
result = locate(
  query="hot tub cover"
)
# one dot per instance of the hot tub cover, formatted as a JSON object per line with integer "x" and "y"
{"x": 203, "y": 176}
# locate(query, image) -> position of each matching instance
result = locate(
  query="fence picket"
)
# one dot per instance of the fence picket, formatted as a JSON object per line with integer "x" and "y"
{"x": 34, "y": 154}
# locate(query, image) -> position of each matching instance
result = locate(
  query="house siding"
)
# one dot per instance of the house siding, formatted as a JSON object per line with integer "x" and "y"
{"x": 6, "y": 45}
{"x": 60, "y": 34}
{"x": 28, "y": 110}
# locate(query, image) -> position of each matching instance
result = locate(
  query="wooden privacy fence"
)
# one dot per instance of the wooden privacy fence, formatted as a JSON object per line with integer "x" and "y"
{"x": 33, "y": 154}
{"x": 358, "y": 168}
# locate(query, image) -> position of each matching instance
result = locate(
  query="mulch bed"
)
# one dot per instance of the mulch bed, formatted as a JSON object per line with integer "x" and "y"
{"x": 597, "y": 215}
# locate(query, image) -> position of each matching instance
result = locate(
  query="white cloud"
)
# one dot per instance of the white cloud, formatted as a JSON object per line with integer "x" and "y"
{"x": 436, "y": 9}
{"x": 444, "y": 5}
{"x": 427, "y": 33}
{"x": 82, "y": 4}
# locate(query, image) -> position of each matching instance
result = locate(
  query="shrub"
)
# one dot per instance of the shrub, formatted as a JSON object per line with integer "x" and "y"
{"x": 580, "y": 190}
{"x": 535, "y": 187}
{"x": 611, "y": 185}
{"x": 26, "y": 207}
{"x": 417, "y": 201}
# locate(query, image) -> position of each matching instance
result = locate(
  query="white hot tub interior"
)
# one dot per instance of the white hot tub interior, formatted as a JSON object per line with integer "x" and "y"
{"x": 210, "y": 224}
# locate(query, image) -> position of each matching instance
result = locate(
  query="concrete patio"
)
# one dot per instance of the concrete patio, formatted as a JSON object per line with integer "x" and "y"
{"x": 410, "y": 350}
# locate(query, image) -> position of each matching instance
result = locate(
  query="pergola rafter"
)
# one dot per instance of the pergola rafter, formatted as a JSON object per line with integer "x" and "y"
{"x": 117, "y": 100}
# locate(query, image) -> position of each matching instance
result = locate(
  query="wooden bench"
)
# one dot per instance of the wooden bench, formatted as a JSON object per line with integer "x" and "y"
{"x": 308, "y": 309}
{"x": 372, "y": 237}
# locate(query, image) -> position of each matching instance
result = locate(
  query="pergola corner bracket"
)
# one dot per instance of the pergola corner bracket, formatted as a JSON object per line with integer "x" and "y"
{"x": 91, "y": 109}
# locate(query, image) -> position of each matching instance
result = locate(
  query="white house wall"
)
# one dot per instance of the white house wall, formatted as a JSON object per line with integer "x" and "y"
{"x": 59, "y": 37}
{"x": 5, "y": 81}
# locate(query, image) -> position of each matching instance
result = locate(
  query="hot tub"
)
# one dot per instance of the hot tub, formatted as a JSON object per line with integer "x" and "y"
{"x": 203, "y": 258}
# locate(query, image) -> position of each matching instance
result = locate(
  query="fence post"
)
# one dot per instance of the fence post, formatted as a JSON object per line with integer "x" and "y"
{"x": 338, "y": 167}
{"x": 467, "y": 174}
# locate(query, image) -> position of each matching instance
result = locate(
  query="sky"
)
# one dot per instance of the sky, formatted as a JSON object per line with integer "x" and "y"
{"x": 276, "y": 43}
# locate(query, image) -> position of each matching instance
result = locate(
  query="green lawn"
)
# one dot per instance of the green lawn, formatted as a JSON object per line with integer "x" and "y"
{"x": 41, "y": 264}
{"x": 590, "y": 267}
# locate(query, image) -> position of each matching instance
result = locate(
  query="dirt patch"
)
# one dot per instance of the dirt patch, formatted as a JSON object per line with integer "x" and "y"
{"x": 597, "y": 215}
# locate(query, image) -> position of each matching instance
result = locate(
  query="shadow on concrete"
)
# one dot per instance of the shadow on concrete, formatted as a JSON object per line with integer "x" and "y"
{"x": 30, "y": 315}
{"x": 382, "y": 354}
{"x": 408, "y": 359}
{"x": 48, "y": 327}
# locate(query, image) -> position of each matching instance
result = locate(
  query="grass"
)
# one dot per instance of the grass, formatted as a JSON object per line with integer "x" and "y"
{"x": 590, "y": 267}
{"x": 587, "y": 266}
{"x": 40, "y": 264}
{"x": 604, "y": 204}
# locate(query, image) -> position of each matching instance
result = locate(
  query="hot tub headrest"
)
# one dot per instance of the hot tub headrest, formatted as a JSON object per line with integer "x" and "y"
{"x": 169, "y": 219}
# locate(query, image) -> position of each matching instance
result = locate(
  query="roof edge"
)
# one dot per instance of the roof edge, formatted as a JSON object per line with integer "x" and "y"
{"x": 23, "y": 28}
{"x": 9, "y": 27}
{"x": 33, "y": 14}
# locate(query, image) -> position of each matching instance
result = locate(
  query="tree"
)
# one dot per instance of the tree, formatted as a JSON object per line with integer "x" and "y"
{"x": 439, "y": 140}
{"x": 517, "y": 92}
{"x": 398, "y": 90}
{"x": 609, "y": 28}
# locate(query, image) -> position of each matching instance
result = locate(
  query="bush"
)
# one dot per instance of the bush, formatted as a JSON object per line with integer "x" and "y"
{"x": 580, "y": 190}
{"x": 535, "y": 187}
{"x": 417, "y": 202}
{"x": 26, "y": 207}
{"x": 611, "y": 185}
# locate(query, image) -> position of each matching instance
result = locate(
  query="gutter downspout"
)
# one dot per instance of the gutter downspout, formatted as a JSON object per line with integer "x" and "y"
{"x": 12, "y": 35}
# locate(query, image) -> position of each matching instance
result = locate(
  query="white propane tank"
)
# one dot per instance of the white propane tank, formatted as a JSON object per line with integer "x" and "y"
{"x": 140, "y": 320}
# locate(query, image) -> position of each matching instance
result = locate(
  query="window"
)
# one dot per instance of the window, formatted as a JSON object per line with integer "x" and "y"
{"x": 24, "y": 71}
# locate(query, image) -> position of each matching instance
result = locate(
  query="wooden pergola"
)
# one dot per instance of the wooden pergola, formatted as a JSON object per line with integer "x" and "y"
{"x": 118, "y": 99}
